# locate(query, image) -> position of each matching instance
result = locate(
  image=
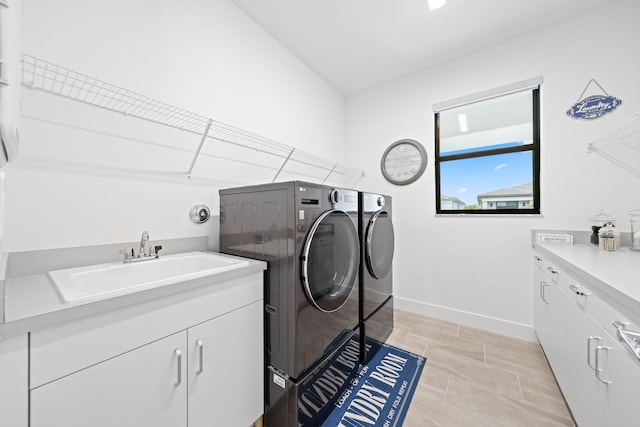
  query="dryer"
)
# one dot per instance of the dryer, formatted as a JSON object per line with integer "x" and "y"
{"x": 307, "y": 233}
{"x": 377, "y": 242}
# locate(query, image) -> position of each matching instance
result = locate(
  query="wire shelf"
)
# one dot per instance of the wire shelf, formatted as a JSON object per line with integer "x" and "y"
{"x": 621, "y": 146}
{"x": 41, "y": 75}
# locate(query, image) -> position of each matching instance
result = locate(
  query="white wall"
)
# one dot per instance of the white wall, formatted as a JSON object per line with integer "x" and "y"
{"x": 478, "y": 270}
{"x": 2, "y": 204}
{"x": 206, "y": 56}
{"x": 202, "y": 55}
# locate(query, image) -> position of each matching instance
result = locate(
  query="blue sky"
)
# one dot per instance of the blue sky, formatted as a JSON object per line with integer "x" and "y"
{"x": 467, "y": 178}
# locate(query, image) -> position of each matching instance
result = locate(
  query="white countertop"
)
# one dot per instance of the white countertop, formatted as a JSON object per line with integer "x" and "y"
{"x": 32, "y": 301}
{"x": 616, "y": 274}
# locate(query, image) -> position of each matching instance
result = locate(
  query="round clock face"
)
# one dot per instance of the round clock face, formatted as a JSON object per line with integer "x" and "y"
{"x": 404, "y": 162}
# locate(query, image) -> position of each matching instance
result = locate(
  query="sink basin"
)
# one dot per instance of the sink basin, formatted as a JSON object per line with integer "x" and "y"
{"x": 107, "y": 280}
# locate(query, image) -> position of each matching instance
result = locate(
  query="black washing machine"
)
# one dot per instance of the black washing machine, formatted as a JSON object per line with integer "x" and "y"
{"x": 375, "y": 228}
{"x": 307, "y": 233}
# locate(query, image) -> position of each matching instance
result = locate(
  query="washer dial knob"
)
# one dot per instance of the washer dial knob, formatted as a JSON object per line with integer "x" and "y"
{"x": 334, "y": 196}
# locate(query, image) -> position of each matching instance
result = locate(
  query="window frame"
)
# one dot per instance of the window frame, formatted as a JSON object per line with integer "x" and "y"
{"x": 534, "y": 147}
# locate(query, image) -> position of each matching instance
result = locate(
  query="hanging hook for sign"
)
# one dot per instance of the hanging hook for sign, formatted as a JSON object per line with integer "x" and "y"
{"x": 593, "y": 106}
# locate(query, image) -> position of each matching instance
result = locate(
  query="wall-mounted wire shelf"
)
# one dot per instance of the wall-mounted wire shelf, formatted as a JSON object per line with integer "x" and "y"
{"x": 621, "y": 145}
{"x": 293, "y": 163}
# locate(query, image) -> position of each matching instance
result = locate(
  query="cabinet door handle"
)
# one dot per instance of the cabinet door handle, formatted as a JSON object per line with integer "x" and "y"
{"x": 552, "y": 270}
{"x": 591, "y": 338}
{"x": 538, "y": 258}
{"x": 543, "y": 286}
{"x": 540, "y": 289}
{"x": 598, "y": 370}
{"x": 178, "y": 354}
{"x": 200, "y": 345}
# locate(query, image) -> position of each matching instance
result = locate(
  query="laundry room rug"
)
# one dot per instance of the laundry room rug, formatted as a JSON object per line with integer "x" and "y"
{"x": 381, "y": 393}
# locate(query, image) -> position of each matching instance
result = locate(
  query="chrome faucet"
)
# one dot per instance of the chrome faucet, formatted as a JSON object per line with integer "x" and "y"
{"x": 129, "y": 253}
{"x": 143, "y": 241}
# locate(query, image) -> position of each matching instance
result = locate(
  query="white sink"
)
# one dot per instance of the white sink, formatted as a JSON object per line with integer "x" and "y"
{"x": 100, "y": 281}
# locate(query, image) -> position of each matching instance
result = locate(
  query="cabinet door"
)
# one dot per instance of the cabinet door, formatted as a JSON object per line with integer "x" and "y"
{"x": 226, "y": 369}
{"x": 582, "y": 389}
{"x": 549, "y": 320}
{"x": 14, "y": 382}
{"x": 146, "y": 387}
{"x": 621, "y": 396}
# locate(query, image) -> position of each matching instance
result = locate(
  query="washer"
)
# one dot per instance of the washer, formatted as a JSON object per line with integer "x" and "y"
{"x": 375, "y": 228}
{"x": 307, "y": 233}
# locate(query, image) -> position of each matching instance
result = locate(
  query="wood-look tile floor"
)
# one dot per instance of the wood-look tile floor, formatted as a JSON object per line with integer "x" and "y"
{"x": 476, "y": 378}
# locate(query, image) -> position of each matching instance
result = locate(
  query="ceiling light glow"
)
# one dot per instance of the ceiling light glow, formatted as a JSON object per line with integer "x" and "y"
{"x": 436, "y": 4}
{"x": 462, "y": 122}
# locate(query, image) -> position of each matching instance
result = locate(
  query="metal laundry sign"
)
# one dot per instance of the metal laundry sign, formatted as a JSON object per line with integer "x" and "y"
{"x": 593, "y": 106}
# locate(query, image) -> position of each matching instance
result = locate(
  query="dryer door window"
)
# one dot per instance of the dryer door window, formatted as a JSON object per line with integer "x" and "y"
{"x": 379, "y": 245}
{"x": 330, "y": 260}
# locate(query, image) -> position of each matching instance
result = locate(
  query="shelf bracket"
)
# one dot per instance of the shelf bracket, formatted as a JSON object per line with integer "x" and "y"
{"x": 362, "y": 175}
{"x": 202, "y": 140}
{"x": 329, "y": 174}
{"x": 283, "y": 165}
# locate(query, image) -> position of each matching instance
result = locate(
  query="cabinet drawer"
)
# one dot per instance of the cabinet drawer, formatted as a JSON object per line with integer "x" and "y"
{"x": 70, "y": 347}
{"x": 14, "y": 372}
{"x": 601, "y": 311}
{"x": 550, "y": 270}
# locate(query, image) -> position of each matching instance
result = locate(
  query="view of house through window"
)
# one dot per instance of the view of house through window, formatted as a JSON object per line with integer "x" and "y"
{"x": 487, "y": 155}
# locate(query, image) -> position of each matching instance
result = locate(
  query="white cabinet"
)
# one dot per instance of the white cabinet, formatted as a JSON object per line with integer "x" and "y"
{"x": 14, "y": 392}
{"x": 226, "y": 371}
{"x": 582, "y": 388}
{"x": 145, "y": 387}
{"x": 214, "y": 369}
{"x": 597, "y": 374}
{"x": 603, "y": 376}
{"x": 190, "y": 360}
{"x": 549, "y": 315}
{"x": 621, "y": 396}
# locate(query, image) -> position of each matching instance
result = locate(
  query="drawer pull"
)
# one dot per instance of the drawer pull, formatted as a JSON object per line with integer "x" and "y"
{"x": 200, "y": 345}
{"x": 178, "y": 354}
{"x": 598, "y": 370}
{"x": 591, "y": 338}
{"x": 578, "y": 290}
{"x": 552, "y": 270}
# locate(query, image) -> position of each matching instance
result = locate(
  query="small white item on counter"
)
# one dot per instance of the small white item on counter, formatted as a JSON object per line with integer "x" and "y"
{"x": 608, "y": 238}
{"x": 600, "y": 220}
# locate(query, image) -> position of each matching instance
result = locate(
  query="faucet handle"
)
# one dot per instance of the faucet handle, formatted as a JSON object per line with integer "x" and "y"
{"x": 156, "y": 249}
{"x": 128, "y": 253}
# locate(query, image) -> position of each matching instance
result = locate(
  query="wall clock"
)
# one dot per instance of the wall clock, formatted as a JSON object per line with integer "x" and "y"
{"x": 403, "y": 162}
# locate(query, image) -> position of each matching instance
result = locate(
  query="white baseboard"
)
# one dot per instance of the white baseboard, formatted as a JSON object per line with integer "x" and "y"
{"x": 474, "y": 320}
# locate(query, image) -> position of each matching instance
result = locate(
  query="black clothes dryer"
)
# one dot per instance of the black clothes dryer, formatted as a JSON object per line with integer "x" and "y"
{"x": 377, "y": 241}
{"x": 307, "y": 233}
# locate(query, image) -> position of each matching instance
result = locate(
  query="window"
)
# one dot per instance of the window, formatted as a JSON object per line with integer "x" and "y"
{"x": 487, "y": 152}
